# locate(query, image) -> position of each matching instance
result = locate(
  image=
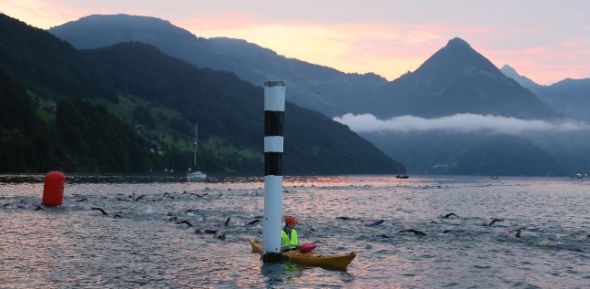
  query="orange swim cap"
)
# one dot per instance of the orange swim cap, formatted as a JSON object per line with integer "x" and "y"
{"x": 290, "y": 220}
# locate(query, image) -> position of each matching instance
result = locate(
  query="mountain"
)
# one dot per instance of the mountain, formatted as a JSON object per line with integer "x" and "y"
{"x": 570, "y": 97}
{"x": 457, "y": 79}
{"x": 156, "y": 97}
{"x": 521, "y": 79}
{"x": 312, "y": 86}
{"x": 443, "y": 152}
{"x": 506, "y": 155}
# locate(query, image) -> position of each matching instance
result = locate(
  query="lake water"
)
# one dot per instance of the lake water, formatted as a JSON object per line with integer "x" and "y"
{"x": 77, "y": 247}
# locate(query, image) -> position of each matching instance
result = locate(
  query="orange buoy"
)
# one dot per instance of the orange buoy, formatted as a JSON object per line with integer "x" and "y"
{"x": 53, "y": 192}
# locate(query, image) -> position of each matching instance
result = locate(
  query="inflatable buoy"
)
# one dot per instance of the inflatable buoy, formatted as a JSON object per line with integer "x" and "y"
{"x": 53, "y": 192}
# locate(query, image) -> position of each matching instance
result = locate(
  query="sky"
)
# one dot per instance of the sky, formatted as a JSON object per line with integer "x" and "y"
{"x": 546, "y": 41}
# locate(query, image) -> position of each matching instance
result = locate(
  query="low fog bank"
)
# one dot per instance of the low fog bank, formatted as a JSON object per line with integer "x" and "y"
{"x": 463, "y": 123}
{"x": 479, "y": 144}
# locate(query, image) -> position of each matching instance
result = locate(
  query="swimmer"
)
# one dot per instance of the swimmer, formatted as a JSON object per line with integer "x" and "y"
{"x": 453, "y": 231}
{"x": 549, "y": 243}
{"x": 220, "y": 236}
{"x": 185, "y": 222}
{"x": 253, "y": 222}
{"x": 419, "y": 233}
{"x": 100, "y": 209}
{"x": 515, "y": 233}
{"x": 374, "y": 223}
{"x": 494, "y": 220}
{"x": 449, "y": 215}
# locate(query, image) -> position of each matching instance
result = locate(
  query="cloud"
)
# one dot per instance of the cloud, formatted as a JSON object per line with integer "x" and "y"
{"x": 464, "y": 123}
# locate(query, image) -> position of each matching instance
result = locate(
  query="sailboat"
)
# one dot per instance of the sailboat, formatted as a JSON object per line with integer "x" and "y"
{"x": 197, "y": 175}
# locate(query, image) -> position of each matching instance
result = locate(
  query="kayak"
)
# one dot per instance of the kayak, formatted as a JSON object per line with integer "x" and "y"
{"x": 311, "y": 258}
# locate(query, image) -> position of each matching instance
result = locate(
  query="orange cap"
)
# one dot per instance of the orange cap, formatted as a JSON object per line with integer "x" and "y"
{"x": 290, "y": 220}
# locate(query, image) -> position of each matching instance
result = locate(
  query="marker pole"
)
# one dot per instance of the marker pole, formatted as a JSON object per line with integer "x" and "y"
{"x": 274, "y": 111}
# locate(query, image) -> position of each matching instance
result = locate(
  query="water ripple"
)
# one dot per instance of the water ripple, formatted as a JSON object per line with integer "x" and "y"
{"x": 167, "y": 234}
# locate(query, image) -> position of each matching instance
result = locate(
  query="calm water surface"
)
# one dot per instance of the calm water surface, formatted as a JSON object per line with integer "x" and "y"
{"x": 144, "y": 247}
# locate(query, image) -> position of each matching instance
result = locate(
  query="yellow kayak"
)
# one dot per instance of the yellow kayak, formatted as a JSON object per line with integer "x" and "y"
{"x": 311, "y": 258}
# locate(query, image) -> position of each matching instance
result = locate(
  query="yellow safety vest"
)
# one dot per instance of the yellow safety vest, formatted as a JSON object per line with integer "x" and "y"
{"x": 289, "y": 243}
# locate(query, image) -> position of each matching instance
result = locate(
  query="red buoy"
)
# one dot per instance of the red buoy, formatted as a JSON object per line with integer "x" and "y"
{"x": 53, "y": 192}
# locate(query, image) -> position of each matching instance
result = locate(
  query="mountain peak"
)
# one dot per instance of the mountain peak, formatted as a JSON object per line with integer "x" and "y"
{"x": 508, "y": 69}
{"x": 458, "y": 43}
{"x": 521, "y": 79}
{"x": 458, "y": 79}
{"x": 512, "y": 73}
{"x": 127, "y": 19}
{"x": 459, "y": 57}
{"x": 98, "y": 30}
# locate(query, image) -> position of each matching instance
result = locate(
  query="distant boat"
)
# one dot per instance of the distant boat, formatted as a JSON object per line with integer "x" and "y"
{"x": 197, "y": 176}
{"x": 193, "y": 174}
{"x": 579, "y": 176}
{"x": 402, "y": 176}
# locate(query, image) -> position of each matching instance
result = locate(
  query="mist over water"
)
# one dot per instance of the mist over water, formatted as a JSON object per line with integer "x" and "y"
{"x": 463, "y": 122}
{"x": 75, "y": 246}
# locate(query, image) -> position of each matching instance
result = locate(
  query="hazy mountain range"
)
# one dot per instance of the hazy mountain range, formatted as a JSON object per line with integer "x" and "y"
{"x": 570, "y": 97}
{"x": 134, "y": 89}
{"x": 313, "y": 86}
{"x": 457, "y": 113}
{"x": 456, "y": 79}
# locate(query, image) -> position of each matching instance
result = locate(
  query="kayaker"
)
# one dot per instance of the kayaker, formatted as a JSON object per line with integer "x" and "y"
{"x": 289, "y": 239}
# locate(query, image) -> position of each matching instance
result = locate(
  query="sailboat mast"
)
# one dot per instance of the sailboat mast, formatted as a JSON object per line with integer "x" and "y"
{"x": 195, "y": 158}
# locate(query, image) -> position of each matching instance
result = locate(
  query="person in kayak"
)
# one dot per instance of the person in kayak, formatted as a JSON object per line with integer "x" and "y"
{"x": 289, "y": 239}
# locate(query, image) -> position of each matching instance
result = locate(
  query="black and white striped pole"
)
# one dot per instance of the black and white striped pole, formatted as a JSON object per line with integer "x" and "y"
{"x": 274, "y": 111}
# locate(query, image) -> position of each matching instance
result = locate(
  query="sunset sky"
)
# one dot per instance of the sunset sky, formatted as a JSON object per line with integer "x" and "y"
{"x": 544, "y": 40}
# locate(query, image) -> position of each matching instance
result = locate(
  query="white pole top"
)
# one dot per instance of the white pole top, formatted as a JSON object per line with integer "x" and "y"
{"x": 274, "y": 96}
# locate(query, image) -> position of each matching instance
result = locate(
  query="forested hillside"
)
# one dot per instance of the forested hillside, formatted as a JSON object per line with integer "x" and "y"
{"x": 77, "y": 136}
{"x": 155, "y": 100}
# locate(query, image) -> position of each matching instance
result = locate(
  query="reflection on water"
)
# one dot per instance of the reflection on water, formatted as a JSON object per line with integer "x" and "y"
{"x": 145, "y": 239}
{"x": 280, "y": 273}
